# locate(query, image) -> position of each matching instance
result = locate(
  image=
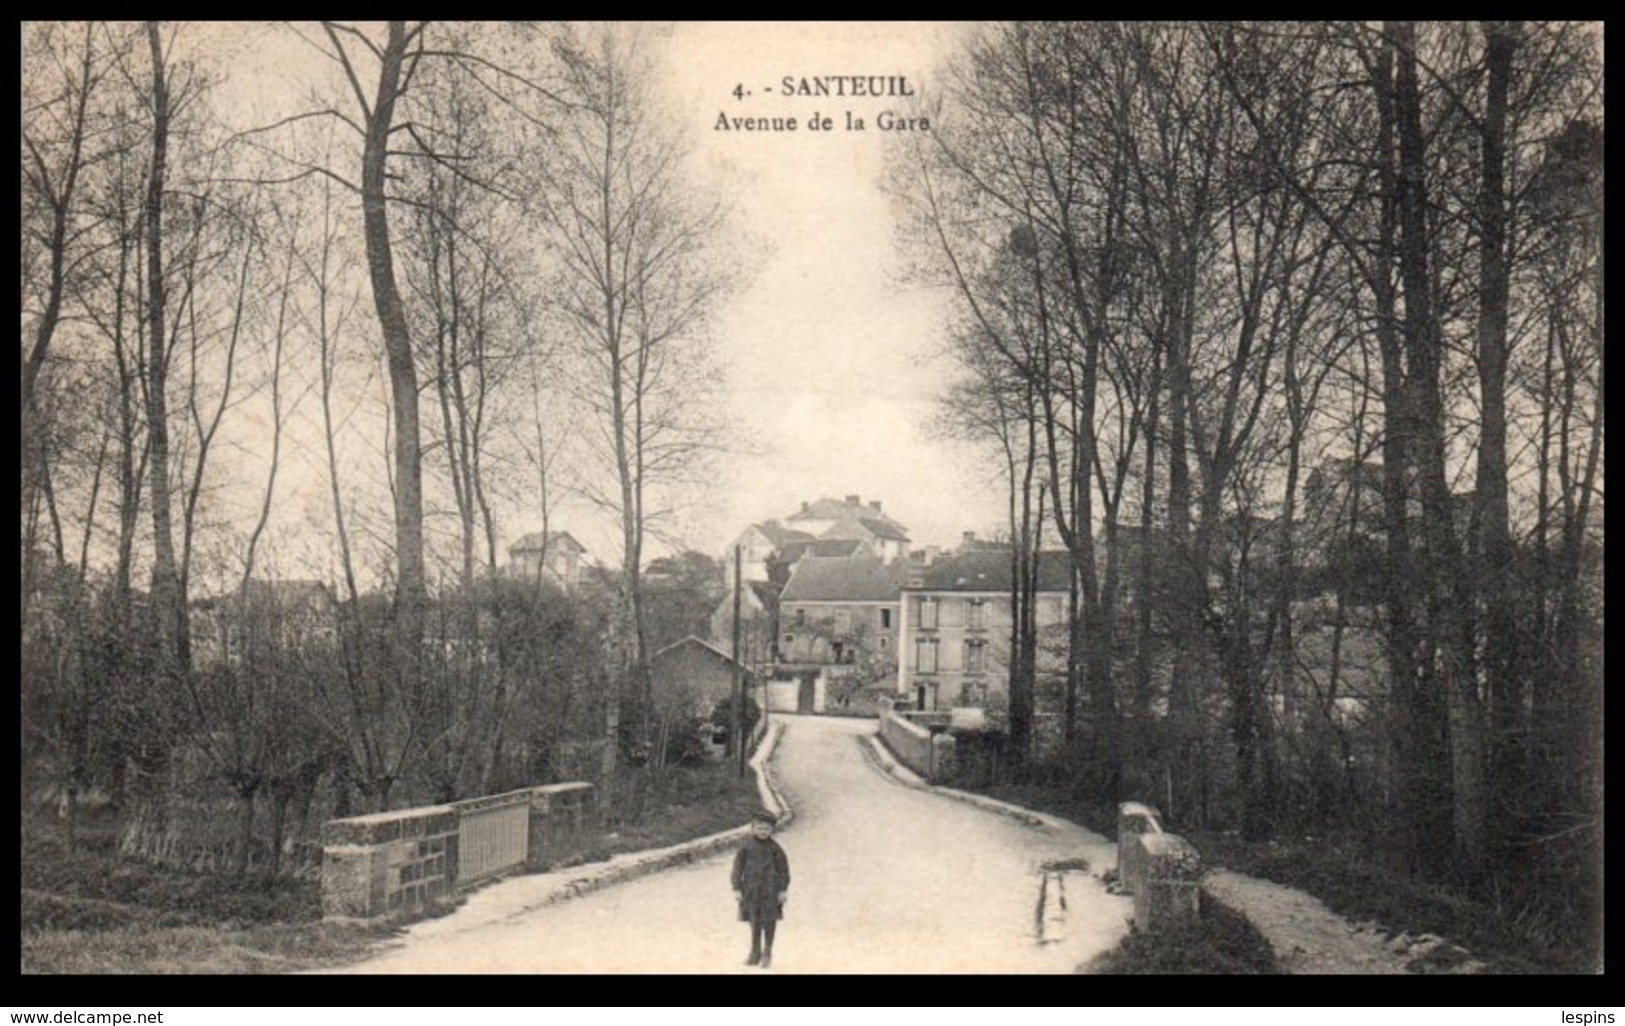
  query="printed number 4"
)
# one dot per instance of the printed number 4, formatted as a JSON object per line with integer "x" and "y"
{"x": 739, "y": 91}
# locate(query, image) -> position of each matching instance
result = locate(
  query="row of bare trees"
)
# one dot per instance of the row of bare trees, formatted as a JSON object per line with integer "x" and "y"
{"x": 468, "y": 249}
{"x": 1291, "y": 336}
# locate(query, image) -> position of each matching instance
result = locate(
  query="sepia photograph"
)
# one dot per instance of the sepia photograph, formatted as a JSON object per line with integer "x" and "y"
{"x": 811, "y": 498}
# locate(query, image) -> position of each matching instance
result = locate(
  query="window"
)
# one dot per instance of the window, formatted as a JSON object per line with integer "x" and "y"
{"x": 976, "y": 614}
{"x": 973, "y": 694}
{"x": 884, "y": 643}
{"x": 801, "y": 617}
{"x": 925, "y": 655}
{"x": 975, "y": 657}
{"x": 789, "y": 639}
{"x": 928, "y": 614}
{"x": 885, "y": 619}
{"x": 843, "y": 621}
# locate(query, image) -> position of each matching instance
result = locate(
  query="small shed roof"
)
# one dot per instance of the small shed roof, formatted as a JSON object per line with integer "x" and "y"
{"x": 698, "y": 644}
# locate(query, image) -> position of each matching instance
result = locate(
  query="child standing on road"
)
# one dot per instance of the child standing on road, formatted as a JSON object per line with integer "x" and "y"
{"x": 761, "y": 876}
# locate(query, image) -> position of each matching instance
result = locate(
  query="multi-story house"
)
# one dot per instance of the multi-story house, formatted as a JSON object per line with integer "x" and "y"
{"x": 851, "y": 519}
{"x": 953, "y": 642}
{"x": 837, "y": 611}
{"x": 759, "y": 545}
{"x": 554, "y": 556}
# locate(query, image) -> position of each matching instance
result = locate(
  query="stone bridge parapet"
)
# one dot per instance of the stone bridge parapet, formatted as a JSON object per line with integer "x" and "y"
{"x": 391, "y": 864}
{"x": 929, "y": 753}
{"x": 1162, "y": 871}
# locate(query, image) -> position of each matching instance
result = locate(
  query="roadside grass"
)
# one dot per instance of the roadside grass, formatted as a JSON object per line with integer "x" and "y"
{"x": 679, "y": 804}
{"x": 90, "y": 911}
{"x": 1360, "y": 885}
{"x": 1351, "y": 879}
{"x": 1057, "y": 801}
{"x": 1221, "y": 942}
{"x": 138, "y": 949}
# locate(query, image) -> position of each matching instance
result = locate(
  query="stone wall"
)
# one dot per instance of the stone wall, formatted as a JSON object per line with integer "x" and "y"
{"x": 388, "y": 864}
{"x": 393, "y": 864}
{"x": 931, "y": 755}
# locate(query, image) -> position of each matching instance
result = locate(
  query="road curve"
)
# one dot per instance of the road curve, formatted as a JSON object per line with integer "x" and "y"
{"x": 886, "y": 879}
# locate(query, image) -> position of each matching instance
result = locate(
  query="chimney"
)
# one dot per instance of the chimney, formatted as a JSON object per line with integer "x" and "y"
{"x": 875, "y": 503}
{"x": 852, "y": 500}
{"x": 805, "y": 505}
{"x": 970, "y": 538}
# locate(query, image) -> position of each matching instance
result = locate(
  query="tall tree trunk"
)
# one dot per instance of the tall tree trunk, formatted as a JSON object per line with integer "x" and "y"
{"x": 169, "y": 604}
{"x": 1144, "y": 779}
{"x": 1419, "y": 741}
{"x": 1504, "y": 676}
{"x": 1449, "y": 656}
{"x": 410, "y": 587}
{"x": 1186, "y": 573}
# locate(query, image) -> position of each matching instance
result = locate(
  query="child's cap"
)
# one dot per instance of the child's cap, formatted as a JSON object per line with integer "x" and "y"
{"x": 765, "y": 817}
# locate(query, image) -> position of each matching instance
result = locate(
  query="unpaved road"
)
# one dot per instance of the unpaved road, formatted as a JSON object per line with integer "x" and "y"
{"x": 885, "y": 879}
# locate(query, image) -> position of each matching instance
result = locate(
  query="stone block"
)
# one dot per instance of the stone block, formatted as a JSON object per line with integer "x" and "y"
{"x": 1170, "y": 893}
{"x": 1133, "y": 820}
{"x": 560, "y": 822}
{"x": 354, "y": 882}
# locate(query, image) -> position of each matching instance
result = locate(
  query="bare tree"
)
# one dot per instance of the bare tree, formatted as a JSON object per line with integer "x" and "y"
{"x": 636, "y": 279}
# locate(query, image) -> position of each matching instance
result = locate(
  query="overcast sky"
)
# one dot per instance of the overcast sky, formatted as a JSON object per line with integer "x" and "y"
{"x": 832, "y": 361}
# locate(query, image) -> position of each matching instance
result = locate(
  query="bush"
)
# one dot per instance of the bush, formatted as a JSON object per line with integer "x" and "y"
{"x": 1221, "y": 942}
{"x": 723, "y": 714}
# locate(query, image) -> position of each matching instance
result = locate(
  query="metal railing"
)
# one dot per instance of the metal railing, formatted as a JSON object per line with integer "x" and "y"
{"x": 493, "y": 834}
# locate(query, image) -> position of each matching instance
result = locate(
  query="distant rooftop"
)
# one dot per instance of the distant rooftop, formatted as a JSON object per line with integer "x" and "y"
{"x": 556, "y": 540}
{"x": 780, "y": 535}
{"x": 825, "y": 547}
{"x": 840, "y": 509}
{"x": 843, "y": 579}
{"x": 988, "y": 570}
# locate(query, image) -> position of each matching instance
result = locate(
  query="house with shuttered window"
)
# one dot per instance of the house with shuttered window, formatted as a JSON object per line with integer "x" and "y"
{"x": 953, "y": 642}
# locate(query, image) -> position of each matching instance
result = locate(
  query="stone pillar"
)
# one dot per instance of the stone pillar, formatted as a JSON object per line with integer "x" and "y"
{"x": 388, "y": 864}
{"x": 944, "y": 761}
{"x": 560, "y": 822}
{"x": 1171, "y": 894}
{"x": 1133, "y": 819}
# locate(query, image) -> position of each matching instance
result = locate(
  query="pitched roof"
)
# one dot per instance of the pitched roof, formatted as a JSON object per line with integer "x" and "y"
{"x": 839, "y": 509}
{"x": 835, "y": 579}
{"x": 780, "y": 535}
{"x": 985, "y": 570}
{"x": 823, "y": 547}
{"x": 694, "y": 641}
{"x": 884, "y": 528}
{"x": 535, "y": 541}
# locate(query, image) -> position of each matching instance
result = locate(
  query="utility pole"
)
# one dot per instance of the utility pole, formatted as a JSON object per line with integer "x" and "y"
{"x": 737, "y": 735}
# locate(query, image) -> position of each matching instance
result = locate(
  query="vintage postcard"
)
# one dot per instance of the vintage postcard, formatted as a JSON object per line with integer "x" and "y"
{"x": 812, "y": 497}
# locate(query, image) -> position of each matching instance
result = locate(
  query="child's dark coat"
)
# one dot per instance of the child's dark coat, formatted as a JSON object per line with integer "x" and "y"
{"x": 761, "y": 873}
